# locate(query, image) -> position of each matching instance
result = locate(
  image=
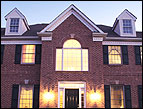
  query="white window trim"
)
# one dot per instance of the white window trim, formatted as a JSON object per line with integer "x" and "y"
{"x": 63, "y": 61}
{"x": 63, "y": 88}
{"x": 22, "y": 54}
{"x": 19, "y": 95}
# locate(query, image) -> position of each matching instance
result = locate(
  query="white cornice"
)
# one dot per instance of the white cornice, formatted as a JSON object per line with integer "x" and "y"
{"x": 20, "y": 37}
{"x": 120, "y": 43}
{"x": 21, "y": 42}
{"x": 124, "y": 38}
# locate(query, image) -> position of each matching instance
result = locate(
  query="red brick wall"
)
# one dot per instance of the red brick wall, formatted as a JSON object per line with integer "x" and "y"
{"x": 97, "y": 76}
{"x": 15, "y": 74}
{"x": 50, "y": 77}
{"x": 126, "y": 75}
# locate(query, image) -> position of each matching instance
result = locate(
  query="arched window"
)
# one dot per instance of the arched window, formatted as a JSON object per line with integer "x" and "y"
{"x": 71, "y": 57}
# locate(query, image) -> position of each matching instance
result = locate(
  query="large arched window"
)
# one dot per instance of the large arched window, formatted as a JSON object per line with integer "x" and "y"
{"x": 71, "y": 57}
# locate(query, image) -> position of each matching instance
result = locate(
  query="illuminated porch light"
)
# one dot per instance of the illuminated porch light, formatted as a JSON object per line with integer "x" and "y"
{"x": 95, "y": 96}
{"x": 48, "y": 96}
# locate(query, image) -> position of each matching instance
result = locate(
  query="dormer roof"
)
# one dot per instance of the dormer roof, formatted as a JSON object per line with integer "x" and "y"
{"x": 72, "y": 10}
{"x": 124, "y": 13}
{"x": 17, "y": 13}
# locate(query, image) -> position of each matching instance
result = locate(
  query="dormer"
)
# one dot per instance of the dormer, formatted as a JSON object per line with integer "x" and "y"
{"x": 16, "y": 23}
{"x": 125, "y": 24}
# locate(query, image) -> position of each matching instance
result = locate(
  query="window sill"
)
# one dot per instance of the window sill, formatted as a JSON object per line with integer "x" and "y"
{"x": 71, "y": 71}
{"x": 116, "y": 64}
{"x": 27, "y": 64}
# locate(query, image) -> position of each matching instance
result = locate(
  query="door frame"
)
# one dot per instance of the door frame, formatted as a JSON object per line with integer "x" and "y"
{"x": 62, "y": 85}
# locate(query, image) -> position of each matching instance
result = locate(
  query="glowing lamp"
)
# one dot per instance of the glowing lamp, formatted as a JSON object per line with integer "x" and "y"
{"x": 48, "y": 96}
{"x": 95, "y": 96}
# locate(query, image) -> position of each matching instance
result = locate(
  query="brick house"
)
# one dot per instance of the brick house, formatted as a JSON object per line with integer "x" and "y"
{"x": 71, "y": 62}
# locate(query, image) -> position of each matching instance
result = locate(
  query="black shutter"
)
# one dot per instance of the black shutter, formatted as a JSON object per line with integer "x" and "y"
{"x": 128, "y": 102}
{"x": 140, "y": 95}
{"x": 2, "y": 53}
{"x": 125, "y": 54}
{"x": 36, "y": 96}
{"x": 18, "y": 54}
{"x": 38, "y": 54}
{"x": 107, "y": 96}
{"x": 137, "y": 55}
{"x": 105, "y": 54}
{"x": 15, "y": 90}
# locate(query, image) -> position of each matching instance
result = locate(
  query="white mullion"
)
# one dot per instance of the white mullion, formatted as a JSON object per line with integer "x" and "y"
{"x": 62, "y": 58}
{"x": 81, "y": 61}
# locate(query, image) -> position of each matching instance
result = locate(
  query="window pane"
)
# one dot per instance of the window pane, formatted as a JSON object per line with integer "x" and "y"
{"x": 14, "y": 24}
{"x": 114, "y": 54}
{"x": 72, "y": 44}
{"x": 85, "y": 59}
{"x": 72, "y": 59}
{"x": 26, "y": 96}
{"x": 58, "y": 59}
{"x": 127, "y": 26}
{"x": 117, "y": 99}
{"x": 28, "y": 53}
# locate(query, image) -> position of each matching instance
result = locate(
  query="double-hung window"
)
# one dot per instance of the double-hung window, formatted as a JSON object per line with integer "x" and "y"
{"x": 71, "y": 57}
{"x": 14, "y": 24}
{"x": 117, "y": 96}
{"x": 26, "y": 96}
{"x": 114, "y": 53}
{"x": 28, "y": 54}
{"x": 127, "y": 26}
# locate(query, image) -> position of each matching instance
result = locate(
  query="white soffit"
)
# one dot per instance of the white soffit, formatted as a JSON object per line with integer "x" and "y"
{"x": 65, "y": 14}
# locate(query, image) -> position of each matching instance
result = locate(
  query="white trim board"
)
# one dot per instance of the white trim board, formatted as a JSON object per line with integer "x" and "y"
{"x": 65, "y": 14}
{"x": 120, "y": 43}
{"x": 20, "y": 42}
{"x": 20, "y": 37}
{"x": 83, "y": 88}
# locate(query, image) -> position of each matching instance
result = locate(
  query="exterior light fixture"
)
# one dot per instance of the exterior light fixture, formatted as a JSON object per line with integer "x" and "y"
{"x": 48, "y": 96}
{"x": 95, "y": 96}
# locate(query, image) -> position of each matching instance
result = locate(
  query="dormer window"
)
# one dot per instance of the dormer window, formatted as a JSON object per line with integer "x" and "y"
{"x": 14, "y": 24}
{"x": 127, "y": 26}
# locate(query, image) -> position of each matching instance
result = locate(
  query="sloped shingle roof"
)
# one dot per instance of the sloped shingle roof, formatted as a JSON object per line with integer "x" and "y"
{"x": 38, "y": 27}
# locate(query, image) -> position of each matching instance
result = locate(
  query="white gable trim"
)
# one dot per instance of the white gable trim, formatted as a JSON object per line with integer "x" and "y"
{"x": 126, "y": 11}
{"x": 17, "y": 11}
{"x": 65, "y": 14}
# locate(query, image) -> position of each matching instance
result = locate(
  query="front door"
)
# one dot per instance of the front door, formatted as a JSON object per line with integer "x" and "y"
{"x": 71, "y": 98}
